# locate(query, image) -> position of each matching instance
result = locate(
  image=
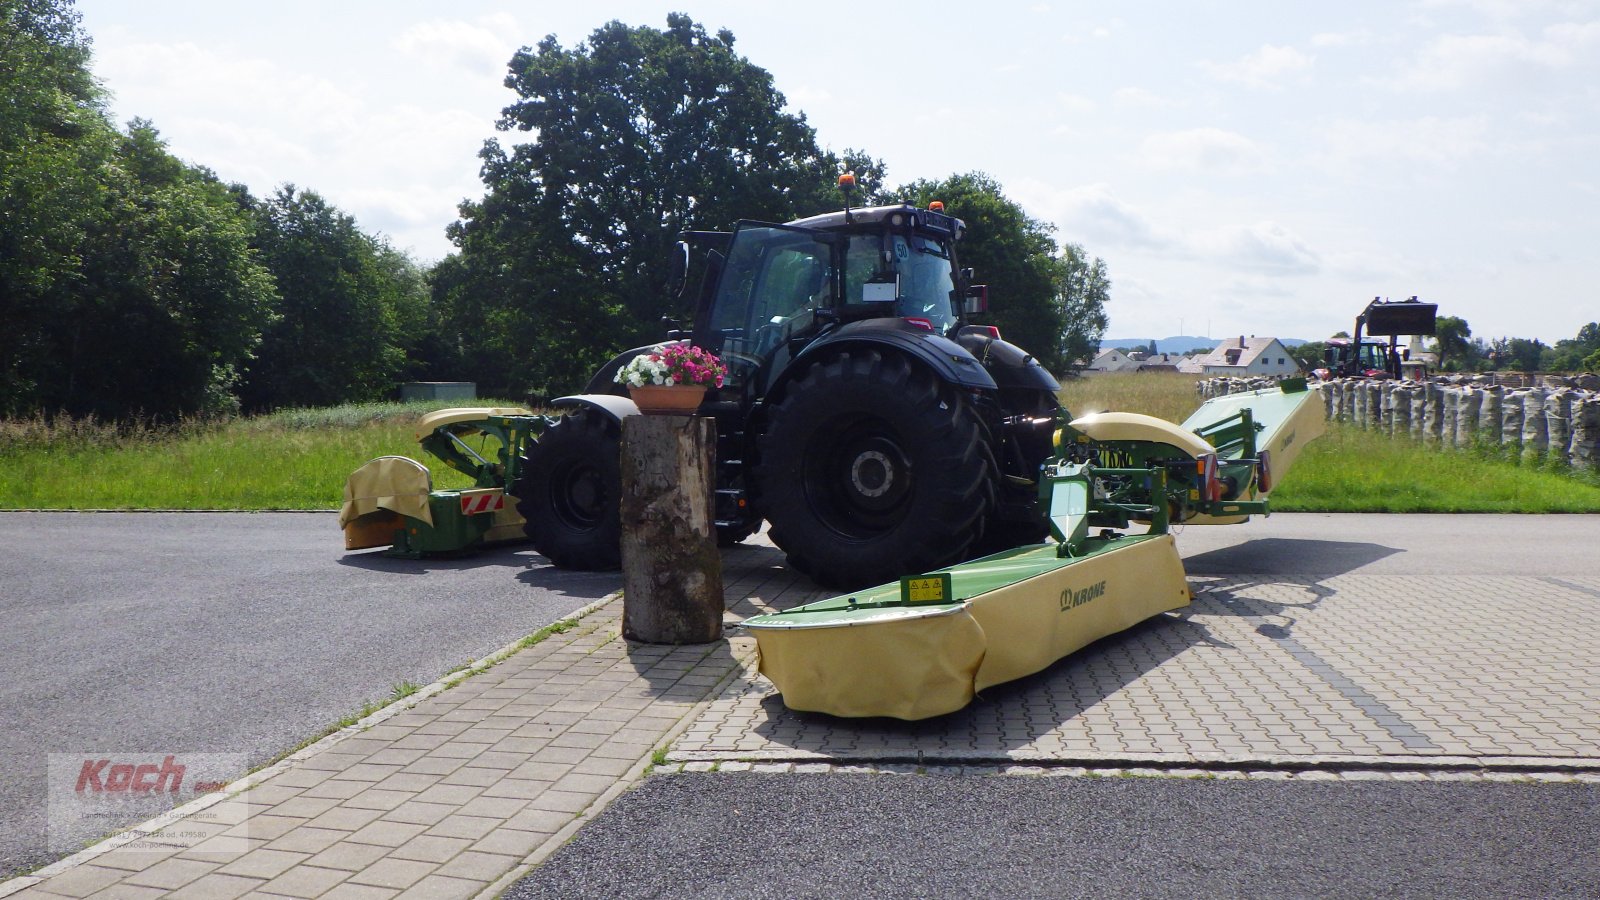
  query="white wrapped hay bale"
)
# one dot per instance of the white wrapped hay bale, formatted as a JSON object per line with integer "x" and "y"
{"x": 1511, "y": 408}
{"x": 1489, "y": 414}
{"x": 1469, "y": 403}
{"x": 1400, "y": 410}
{"x": 1558, "y": 424}
{"x": 1535, "y": 427}
{"x": 1586, "y": 433}
{"x": 1450, "y": 406}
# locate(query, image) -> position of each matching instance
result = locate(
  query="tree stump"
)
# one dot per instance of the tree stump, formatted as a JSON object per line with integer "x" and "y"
{"x": 671, "y": 568}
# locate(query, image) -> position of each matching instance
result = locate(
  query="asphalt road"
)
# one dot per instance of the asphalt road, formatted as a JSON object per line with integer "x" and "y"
{"x": 748, "y": 835}
{"x": 225, "y": 633}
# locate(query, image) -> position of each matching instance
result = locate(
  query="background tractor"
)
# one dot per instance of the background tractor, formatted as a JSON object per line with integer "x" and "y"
{"x": 864, "y": 417}
{"x": 1360, "y": 358}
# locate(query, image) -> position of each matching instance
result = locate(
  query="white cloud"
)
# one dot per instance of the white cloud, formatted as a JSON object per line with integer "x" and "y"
{"x": 1092, "y": 214}
{"x": 1429, "y": 140}
{"x": 1203, "y": 150}
{"x": 1455, "y": 61}
{"x": 806, "y": 96}
{"x": 1266, "y": 246}
{"x": 480, "y": 47}
{"x": 1074, "y": 103}
{"x": 1265, "y": 68}
{"x": 398, "y": 168}
{"x": 1137, "y": 97}
{"x": 1341, "y": 38}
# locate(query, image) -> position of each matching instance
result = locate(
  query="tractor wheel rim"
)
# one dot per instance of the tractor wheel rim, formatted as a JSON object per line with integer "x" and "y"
{"x": 872, "y": 474}
{"x": 579, "y": 497}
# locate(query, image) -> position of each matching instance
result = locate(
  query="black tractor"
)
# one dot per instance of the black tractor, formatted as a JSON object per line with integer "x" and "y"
{"x": 862, "y": 416}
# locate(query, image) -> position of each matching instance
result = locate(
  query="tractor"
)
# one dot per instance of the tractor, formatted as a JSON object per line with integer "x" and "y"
{"x": 1358, "y": 358}
{"x": 863, "y": 416}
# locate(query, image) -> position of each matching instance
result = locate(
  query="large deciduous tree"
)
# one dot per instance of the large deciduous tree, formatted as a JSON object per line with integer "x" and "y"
{"x": 638, "y": 134}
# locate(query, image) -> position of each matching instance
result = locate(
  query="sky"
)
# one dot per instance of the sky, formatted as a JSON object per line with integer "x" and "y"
{"x": 1261, "y": 168}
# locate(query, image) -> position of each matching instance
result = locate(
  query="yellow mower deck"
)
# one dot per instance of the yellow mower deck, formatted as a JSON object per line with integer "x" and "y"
{"x": 924, "y": 646}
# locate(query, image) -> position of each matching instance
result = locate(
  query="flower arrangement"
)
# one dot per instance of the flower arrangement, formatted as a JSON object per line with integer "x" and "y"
{"x": 672, "y": 364}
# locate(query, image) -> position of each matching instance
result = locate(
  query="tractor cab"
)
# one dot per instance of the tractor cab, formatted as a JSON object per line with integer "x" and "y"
{"x": 1368, "y": 358}
{"x": 770, "y": 289}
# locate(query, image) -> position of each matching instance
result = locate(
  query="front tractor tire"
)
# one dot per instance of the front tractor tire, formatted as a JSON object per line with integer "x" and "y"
{"x": 570, "y": 490}
{"x": 873, "y": 469}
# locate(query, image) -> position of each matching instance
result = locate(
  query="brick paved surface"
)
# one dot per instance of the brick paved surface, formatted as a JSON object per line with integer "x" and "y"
{"x": 1278, "y": 676}
{"x": 1496, "y": 669}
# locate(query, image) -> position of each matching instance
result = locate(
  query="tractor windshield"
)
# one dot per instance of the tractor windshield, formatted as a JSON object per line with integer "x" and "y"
{"x": 911, "y": 273}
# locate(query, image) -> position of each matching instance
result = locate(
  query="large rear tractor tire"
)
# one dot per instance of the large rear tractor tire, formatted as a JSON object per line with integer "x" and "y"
{"x": 873, "y": 469}
{"x": 570, "y": 491}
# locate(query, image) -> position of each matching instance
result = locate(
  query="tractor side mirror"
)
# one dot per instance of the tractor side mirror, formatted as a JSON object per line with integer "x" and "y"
{"x": 673, "y": 328}
{"x": 977, "y": 300}
{"x": 679, "y": 276}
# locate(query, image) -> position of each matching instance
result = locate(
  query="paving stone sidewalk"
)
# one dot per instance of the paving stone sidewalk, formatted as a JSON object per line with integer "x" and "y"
{"x": 456, "y": 795}
{"x": 1346, "y": 671}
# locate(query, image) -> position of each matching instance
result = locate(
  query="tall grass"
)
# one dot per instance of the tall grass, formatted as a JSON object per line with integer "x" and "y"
{"x": 297, "y": 459}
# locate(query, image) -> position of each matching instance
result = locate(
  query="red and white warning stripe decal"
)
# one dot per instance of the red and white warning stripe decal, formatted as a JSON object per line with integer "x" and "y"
{"x": 473, "y": 504}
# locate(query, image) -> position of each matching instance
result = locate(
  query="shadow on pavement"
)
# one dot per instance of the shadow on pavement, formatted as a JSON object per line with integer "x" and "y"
{"x": 517, "y": 556}
{"x": 1288, "y": 556}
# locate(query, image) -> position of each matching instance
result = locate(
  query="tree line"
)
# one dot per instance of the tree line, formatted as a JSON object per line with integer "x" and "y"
{"x": 134, "y": 284}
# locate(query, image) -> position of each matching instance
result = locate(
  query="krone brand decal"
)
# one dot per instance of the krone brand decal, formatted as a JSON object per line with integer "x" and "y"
{"x": 1116, "y": 459}
{"x": 1071, "y": 599}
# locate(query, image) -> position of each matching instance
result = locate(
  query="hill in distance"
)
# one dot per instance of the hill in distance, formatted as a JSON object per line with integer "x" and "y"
{"x": 1178, "y": 344}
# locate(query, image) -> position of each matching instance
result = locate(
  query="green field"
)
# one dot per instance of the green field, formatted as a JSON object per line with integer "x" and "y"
{"x": 293, "y": 460}
{"x": 299, "y": 459}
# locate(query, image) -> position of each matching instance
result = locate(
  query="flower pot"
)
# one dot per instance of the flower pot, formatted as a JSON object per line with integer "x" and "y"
{"x": 668, "y": 399}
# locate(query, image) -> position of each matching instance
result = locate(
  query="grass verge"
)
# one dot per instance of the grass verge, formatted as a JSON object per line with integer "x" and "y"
{"x": 296, "y": 459}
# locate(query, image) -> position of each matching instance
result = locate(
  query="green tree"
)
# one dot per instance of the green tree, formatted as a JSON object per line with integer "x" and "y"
{"x": 126, "y": 282}
{"x": 1455, "y": 350}
{"x": 350, "y": 306}
{"x": 1310, "y": 355}
{"x": 1569, "y": 355}
{"x": 1082, "y": 291}
{"x": 640, "y": 133}
{"x": 1518, "y": 354}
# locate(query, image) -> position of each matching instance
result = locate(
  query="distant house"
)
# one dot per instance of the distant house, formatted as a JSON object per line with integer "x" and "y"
{"x": 1250, "y": 356}
{"x": 1191, "y": 365}
{"x": 1112, "y": 361}
{"x": 1161, "y": 362}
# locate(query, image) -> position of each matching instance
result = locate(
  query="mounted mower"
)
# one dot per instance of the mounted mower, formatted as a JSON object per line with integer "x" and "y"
{"x": 922, "y": 646}
{"x": 390, "y": 501}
